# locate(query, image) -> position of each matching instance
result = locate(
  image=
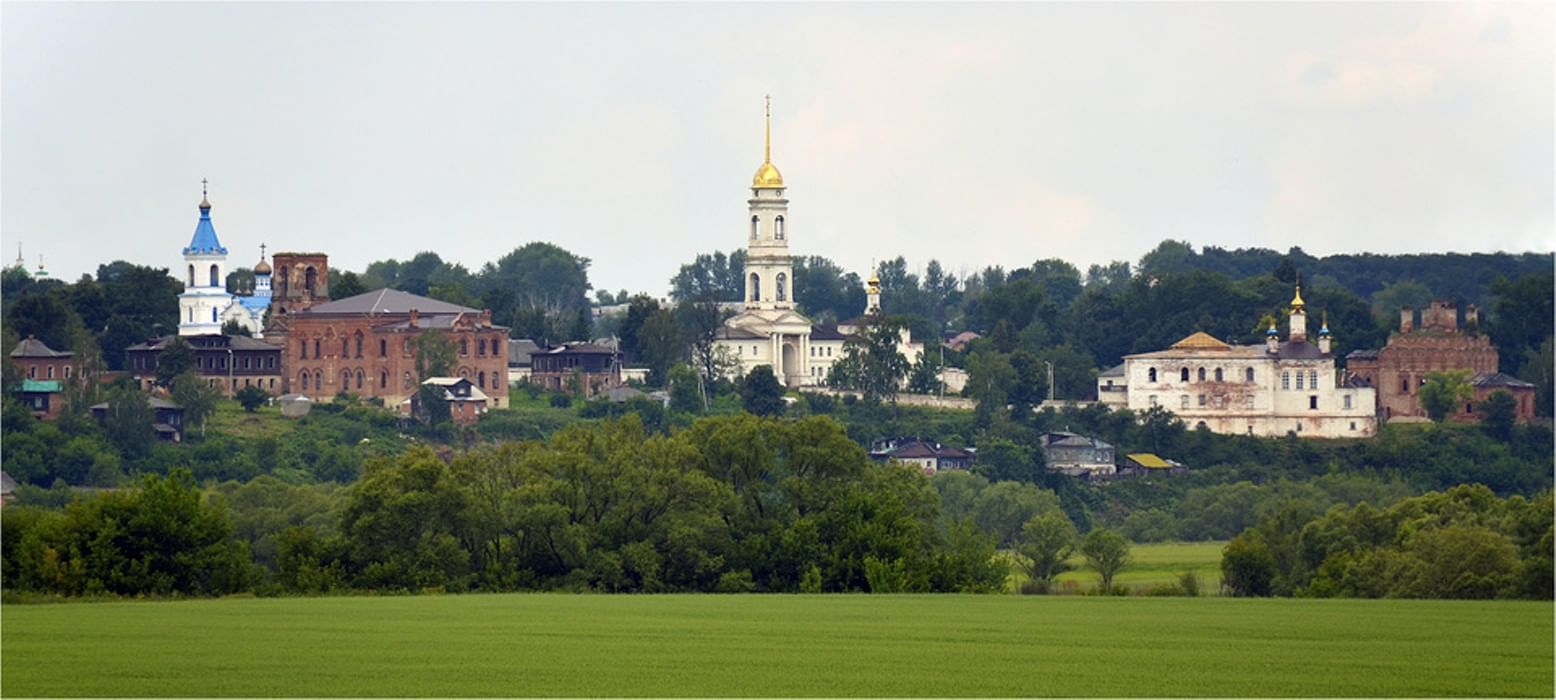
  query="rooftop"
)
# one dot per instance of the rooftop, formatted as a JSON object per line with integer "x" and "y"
{"x": 32, "y": 347}
{"x": 387, "y": 301}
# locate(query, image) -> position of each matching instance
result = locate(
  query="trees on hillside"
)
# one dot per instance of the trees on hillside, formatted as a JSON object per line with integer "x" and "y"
{"x": 1443, "y": 392}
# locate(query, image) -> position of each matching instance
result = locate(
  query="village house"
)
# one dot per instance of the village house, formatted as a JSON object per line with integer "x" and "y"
{"x": 466, "y": 403}
{"x": 574, "y": 367}
{"x": 167, "y": 418}
{"x": 931, "y": 457}
{"x": 1077, "y": 455}
{"x": 229, "y": 363}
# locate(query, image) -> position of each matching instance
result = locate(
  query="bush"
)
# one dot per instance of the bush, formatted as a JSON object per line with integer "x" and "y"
{"x": 1034, "y": 586}
{"x": 561, "y": 401}
{"x": 1188, "y": 582}
{"x": 251, "y": 398}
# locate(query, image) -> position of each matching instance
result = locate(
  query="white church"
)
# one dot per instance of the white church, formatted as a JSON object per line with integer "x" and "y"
{"x": 205, "y": 305}
{"x": 769, "y": 330}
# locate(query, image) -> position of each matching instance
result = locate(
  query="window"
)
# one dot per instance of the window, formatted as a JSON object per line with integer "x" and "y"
{"x": 1404, "y": 384}
{"x": 1285, "y": 380}
{"x": 51, "y": 372}
{"x": 1202, "y": 374}
{"x": 1151, "y": 375}
{"x": 345, "y": 347}
{"x": 316, "y": 352}
{"x": 464, "y": 347}
{"x": 383, "y": 379}
{"x": 1347, "y": 401}
{"x": 1218, "y": 374}
{"x": 358, "y": 336}
{"x": 1249, "y": 373}
{"x": 778, "y": 228}
{"x": 407, "y": 380}
{"x": 480, "y": 347}
{"x": 360, "y": 377}
{"x": 213, "y": 312}
{"x": 1312, "y": 403}
{"x": 482, "y": 379}
{"x": 755, "y": 224}
{"x": 756, "y": 287}
{"x": 318, "y": 379}
{"x": 32, "y": 372}
{"x": 1353, "y": 425}
{"x": 1153, "y": 399}
{"x": 1299, "y": 380}
{"x": 783, "y": 281}
{"x": 191, "y": 275}
{"x": 1469, "y": 408}
{"x": 1183, "y": 375}
{"x": 215, "y": 276}
{"x": 345, "y": 379}
{"x": 310, "y": 281}
{"x": 1202, "y": 400}
{"x": 383, "y": 348}
{"x": 1312, "y": 379}
{"x": 67, "y": 371}
{"x": 1183, "y": 401}
{"x": 1299, "y": 427}
{"x": 304, "y": 379}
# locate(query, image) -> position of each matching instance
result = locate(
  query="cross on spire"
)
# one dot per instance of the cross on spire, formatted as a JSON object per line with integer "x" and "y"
{"x": 767, "y": 145}
{"x": 204, "y": 192}
{"x": 261, "y": 251}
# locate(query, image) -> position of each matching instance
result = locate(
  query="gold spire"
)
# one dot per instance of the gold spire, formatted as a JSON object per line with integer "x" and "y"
{"x": 767, "y": 176}
{"x": 1296, "y": 301}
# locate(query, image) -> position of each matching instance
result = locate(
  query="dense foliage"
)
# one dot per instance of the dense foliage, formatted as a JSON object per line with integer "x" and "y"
{"x": 1464, "y": 542}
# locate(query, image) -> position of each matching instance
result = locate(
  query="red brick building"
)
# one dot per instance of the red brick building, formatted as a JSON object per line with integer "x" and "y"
{"x": 44, "y": 372}
{"x": 1438, "y": 343}
{"x": 366, "y": 345}
{"x": 577, "y": 366}
{"x": 230, "y": 363}
{"x": 301, "y": 280}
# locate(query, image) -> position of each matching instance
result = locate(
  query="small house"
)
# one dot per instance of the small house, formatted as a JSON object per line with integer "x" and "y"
{"x": 1077, "y": 455}
{"x": 932, "y": 457}
{"x": 167, "y": 418}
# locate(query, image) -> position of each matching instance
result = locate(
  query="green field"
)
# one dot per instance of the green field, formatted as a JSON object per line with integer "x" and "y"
{"x": 1157, "y": 563}
{"x": 834, "y": 645}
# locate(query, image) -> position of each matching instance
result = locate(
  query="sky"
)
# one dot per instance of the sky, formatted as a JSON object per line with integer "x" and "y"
{"x": 975, "y": 134}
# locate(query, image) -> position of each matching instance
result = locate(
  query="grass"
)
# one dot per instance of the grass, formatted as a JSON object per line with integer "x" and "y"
{"x": 230, "y": 419}
{"x": 1150, "y": 565}
{"x": 837, "y": 645}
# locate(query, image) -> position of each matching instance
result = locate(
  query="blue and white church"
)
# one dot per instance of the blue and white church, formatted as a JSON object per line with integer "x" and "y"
{"x": 205, "y": 305}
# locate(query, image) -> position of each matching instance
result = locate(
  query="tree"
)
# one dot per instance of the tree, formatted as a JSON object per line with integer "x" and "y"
{"x": 1247, "y": 567}
{"x": 760, "y": 392}
{"x": 1445, "y": 391}
{"x": 685, "y": 394}
{"x": 660, "y": 344}
{"x": 700, "y": 322}
{"x": 348, "y": 284}
{"x": 925, "y": 375}
{"x": 197, "y": 397}
{"x": 251, "y": 398}
{"x": 639, "y": 310}
{"x": 1497, "y": 414}
{"x": 1107, "y": 553}
{"x": 175, "y": 359}
{"x": 435, "y": 355}
{"x": 232, "y": 327}
{"x": 871, "y": 363}
{"x": 128, "y": 420}
{"x": 1047, "y": 541}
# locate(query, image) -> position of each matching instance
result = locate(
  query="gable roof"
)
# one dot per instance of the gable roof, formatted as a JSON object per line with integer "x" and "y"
{"x": 32, "y": 347}
{"x": 387, "y": 301}
{"x": 826, "y": 333}
{"x": 1499, "y": 379}
{"x": 519, "y": 350}
{"x": 1149, "y": 461}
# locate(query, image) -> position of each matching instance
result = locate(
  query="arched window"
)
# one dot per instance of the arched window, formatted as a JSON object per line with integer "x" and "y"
{"x": 318, "y": 380}
{"x": 360, "y": 378}
{"x": 1202, "y": 374}
{"x": 51, "y": 371}
{"x": 408, "y": 383}
{"x": 358, "y": 336}
{"x": 215, "y": 276}
{"x": 213, "y": 313}
{"x": 1183, "y": 375}
{"x": 191, "y": 275}
{"x": 783, "y": 281}
{"x": 778, "y": 228}
{"x": 316, "y": 352}
{"x": 755, "y": 225}
{"x": 756, "y": 287}
{"x": 480, "y": 347}
{"x": 1218, "y": 374}
{"x": 482, "y": 380}
{"x": 345, "y": 379}
{"x": 383, "y": 379}
{"x": 281, "y": 279}
{"x": 1151, "y": 374}
{"x": 304, "y": 379}
{"x": 405, "y": 347}
{"x": 1249, "y": 373}
{"x": 345, "y": 347}
{"x": 383, "y": 348}
{"x": 302, "y": 349}
{"x": 310, "y": 280}
{"x": 464, "y": 347}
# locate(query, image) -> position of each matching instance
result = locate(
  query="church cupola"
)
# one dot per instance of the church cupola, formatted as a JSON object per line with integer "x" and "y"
{"x": 872, "y": 292}
{"x": 769, "y": 268}
{"x": 767, "y": 176}
{"x": 1323, "y": 335}
{"x": 205, "y": 294}
{"x": 1272, "y": 338}
{"x": 1298, "y": 332}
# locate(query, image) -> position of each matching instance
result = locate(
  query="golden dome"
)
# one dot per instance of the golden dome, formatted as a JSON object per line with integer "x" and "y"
{"x": 875, "y": 284}
{"x": 1296, "y": 301}
{"x": 767, "y": 177}
{"x": 263, "y": 268}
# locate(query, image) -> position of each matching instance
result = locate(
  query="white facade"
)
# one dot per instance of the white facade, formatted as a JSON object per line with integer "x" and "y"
{"x": 1269, "y": 390}
{"x": 204, "y": 306}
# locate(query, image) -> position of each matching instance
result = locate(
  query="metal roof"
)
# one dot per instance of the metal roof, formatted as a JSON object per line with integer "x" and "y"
{"x": 46, "y": 386}
{"x": 387, "y": 301}
{"x": 205, "y": 241}
{"x": 1499, "y": 379}
{"x": 1149, "y": 461}
{"x": 32, "y": 347}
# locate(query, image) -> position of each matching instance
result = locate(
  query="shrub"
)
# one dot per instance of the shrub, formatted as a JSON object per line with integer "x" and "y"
{"x": 561, "y": 401}
{"x": 1188, "y": 581}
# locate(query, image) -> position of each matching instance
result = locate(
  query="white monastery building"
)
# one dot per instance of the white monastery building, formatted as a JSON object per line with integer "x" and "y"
{"x": 1281, "y": 387}
{"x": 769, "y": 330}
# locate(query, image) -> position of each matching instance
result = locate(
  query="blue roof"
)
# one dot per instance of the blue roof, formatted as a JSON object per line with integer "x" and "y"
{"x": 205, "y": 241}
{"x": 255, "y": 302}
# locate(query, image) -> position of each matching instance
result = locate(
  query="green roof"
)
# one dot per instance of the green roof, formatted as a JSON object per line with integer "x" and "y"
{"x": 49, "y": 386}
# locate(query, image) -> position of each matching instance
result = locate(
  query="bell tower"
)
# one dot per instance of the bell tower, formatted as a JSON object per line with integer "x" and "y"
{"x": 204, "y": 275}
{"x": 769, "y": 268}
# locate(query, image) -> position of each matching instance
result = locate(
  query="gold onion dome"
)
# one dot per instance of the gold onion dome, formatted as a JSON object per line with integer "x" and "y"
{"x": 1296, "y": 301}
{"x": 263, "y": 268}
{"x": 767, "y": 176}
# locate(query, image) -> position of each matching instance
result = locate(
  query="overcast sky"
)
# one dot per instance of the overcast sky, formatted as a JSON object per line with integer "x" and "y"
{"x": 628, "y": 134}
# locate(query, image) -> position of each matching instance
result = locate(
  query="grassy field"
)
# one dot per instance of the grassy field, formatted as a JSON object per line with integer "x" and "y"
{"x": 839, "y": 645}
{"x": 1157, "y": 563}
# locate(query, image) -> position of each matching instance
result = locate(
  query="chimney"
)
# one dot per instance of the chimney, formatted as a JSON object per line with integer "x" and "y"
{"x": 1406, "y": 319}
{"x": 1471, "y": 315}
{"x": 415, "y": 316}
{"x": 1323, "y": 343}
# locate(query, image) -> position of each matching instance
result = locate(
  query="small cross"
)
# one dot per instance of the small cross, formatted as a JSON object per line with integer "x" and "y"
{"x": 203, "y": 191}
{"x": 261, "y": 252}
{"x": 769, "y": 99}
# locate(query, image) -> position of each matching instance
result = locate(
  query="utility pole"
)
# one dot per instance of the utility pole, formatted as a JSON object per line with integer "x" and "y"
{"x": 1050, "y": 379}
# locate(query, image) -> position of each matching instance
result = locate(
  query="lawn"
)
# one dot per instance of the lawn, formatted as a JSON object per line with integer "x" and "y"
{"x": 1153, "y": 564}
{"x": 775, "y": 645}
